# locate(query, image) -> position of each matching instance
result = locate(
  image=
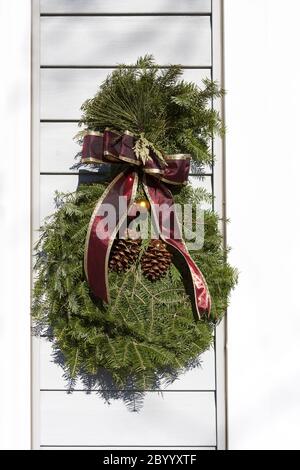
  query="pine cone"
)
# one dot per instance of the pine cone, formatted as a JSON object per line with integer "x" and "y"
{"x": 123, "y": 254}
{"x": 156, "y": 260}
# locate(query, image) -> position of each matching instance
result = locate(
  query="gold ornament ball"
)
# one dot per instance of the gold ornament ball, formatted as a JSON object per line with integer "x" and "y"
{"x": 143, "y": 204}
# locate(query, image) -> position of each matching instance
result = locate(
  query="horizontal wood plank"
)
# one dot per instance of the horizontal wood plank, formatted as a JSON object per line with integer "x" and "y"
{"x": 48, "y": 186}
{"x": 177, "y": 418}
{"x": 111, "y": 40}
{"x": 64, "y": 91}
{"x": 121, "y": 6}
{"x": 195, "y": 448}
{"x": 51, "y": 373}
{"x": 58, "y": 147}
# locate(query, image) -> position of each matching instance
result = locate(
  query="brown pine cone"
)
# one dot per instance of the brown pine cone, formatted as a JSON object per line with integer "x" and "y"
{"x": 123, "y": 254}
{"x": 156, "y": 260}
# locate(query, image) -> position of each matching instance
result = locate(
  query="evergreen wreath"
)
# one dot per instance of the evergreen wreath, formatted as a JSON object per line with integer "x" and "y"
{"x": 146, "y": 336}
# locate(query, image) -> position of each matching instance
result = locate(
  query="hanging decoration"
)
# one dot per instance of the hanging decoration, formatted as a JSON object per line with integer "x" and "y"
{"x": 125, "y": 311}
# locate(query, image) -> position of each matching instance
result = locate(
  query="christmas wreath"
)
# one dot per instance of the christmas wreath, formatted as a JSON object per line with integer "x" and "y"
{"x": 135, "y": 309}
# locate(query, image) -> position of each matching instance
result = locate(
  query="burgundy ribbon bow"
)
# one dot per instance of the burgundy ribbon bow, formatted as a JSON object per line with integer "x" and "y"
{"x": 111, "y": 147}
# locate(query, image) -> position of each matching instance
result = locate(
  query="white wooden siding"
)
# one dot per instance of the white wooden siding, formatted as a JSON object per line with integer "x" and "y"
{"x": 125, "y": 6}
{"x": 177, "y": 418}
{"x": 196, "y": 379}
{"x": 76, "y": 53}
{"x": 57, "y": 146}
{"x": 107, "y": 40}
{"x": 195, "y": 448}
{"x": 64, "y": 90}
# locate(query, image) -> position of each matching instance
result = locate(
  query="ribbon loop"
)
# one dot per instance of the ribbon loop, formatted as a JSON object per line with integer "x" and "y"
{"x": 111, "y": 147}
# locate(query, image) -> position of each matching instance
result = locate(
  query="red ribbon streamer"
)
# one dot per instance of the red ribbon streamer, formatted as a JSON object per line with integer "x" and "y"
{"x": 112, "y": 147}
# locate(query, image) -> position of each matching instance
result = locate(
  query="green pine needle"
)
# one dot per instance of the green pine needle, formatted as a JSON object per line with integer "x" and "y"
{"x": 172, "y": 115}
{"x": 147, "y": 334}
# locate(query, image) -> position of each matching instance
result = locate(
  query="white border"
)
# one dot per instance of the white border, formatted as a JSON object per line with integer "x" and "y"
{"x": 15, "y": 267}
{"x": 262, "y": 60}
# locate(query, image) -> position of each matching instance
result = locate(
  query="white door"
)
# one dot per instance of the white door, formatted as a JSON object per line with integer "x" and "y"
{"x": 75, "y": 44}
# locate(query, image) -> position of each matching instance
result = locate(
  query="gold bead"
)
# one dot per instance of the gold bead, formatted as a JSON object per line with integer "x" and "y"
{"x": 143, "y": 203}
